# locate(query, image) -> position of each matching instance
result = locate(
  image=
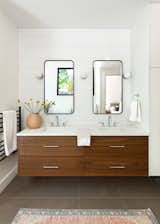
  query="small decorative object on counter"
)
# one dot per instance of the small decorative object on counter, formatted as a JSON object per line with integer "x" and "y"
{"x": 34, "y": 121}
{"x": 34, "y": 107}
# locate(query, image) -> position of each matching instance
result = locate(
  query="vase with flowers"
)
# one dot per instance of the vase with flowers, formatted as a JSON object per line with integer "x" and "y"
{"x": 34, "y": 107}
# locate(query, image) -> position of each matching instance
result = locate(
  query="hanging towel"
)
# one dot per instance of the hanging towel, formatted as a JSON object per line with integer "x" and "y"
{"x": 10, "y": 130}
{"x": 83, "y": 137}
{"x": 135, "y": 111}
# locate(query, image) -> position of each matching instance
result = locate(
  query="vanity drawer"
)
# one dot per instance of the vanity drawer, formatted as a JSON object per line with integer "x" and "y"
{"x": 69, "y": 151}
{"x": 118, "y": 140}
{"x": 49, "y": 150}
{"x": 48, "y": 140}
{"x": 47, "y": 166}
{"x": 116, "y": 167}
{"x": 126, "y": 150}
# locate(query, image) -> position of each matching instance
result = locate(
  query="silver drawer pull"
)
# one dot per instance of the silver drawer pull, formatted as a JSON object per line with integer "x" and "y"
{"x": 51, "y": 167}
{"x": 117, "y": 146}
{"x": 117, "y": 167}
{"x": 51, "y": 146}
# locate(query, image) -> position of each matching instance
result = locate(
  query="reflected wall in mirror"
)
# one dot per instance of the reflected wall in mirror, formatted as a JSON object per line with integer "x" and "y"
{"x": 107, "y": 87}
{"x": 59, "y": 86}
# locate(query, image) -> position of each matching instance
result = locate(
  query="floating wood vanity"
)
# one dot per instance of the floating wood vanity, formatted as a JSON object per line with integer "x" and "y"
{"x": 60, "y": 156}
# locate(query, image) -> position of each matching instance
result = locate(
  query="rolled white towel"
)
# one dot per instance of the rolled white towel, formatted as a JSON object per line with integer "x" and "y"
{"x": 84, "y": 137}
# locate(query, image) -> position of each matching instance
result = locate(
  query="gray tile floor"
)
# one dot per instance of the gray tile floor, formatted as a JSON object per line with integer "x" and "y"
{"x": 88, "y": 192}
{"x": 7, "y": 165}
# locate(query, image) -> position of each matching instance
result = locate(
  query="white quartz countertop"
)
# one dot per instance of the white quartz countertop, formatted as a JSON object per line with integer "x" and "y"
{"x": 69, "y": 131}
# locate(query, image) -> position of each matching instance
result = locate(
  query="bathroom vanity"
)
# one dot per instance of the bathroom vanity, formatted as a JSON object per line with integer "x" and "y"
{"x": 55, "y": 153}
{"x": 112, "y": 151}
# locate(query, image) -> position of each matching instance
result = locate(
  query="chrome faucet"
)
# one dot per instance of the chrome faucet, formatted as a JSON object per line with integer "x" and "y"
{"x": 57, "y": 121}
{"x": 109, "y": 121}
{"x": 52, "y": 124}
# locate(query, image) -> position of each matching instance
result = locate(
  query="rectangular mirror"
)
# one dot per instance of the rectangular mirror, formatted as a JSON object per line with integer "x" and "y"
{"x": 59, "y": 86}
{"x": 107, "y": 87}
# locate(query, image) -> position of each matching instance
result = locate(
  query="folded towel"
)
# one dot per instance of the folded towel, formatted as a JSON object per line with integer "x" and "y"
{"x": 83, "y": 137}
{"x": 135, "y": 111}
{"x": 10, "y": 130}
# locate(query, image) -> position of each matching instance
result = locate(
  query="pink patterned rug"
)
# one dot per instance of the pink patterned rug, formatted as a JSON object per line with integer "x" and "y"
{"x": 65, "y": 216}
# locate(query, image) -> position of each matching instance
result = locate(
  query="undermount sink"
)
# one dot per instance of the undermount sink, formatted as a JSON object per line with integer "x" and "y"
{"x": 59, "y": 130}
{"x": 116, "y": 131}
{"x": 116, "y": 128}
{"x": 109, "y": 129}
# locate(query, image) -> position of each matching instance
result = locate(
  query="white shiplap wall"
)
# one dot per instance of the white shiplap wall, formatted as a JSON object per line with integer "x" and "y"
{"x": 81, "y": 45}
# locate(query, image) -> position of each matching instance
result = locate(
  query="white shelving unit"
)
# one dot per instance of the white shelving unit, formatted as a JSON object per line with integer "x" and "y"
{"x": 154, "y": 153}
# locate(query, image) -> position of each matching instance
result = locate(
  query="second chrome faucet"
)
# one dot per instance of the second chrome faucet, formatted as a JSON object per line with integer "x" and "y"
{"x": 109, "y": 123}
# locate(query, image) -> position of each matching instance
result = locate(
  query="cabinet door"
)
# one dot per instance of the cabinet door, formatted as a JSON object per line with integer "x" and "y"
{"x": 154, "y": 152}
{"x": 155, "y": 35}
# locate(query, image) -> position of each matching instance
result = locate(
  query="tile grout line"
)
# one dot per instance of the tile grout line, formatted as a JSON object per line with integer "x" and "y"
{"x": 80, "y": 198}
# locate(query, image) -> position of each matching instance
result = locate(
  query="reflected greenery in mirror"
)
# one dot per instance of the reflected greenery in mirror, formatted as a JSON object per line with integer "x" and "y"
{"x": 65, "y": 81}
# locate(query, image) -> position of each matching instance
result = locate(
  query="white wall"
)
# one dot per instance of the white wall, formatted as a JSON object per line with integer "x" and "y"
{"x": 8, "y": 62}
{"x": 8, "y": 85}
{"x": 80, "y": 45}
{"x": 140, "y": 62}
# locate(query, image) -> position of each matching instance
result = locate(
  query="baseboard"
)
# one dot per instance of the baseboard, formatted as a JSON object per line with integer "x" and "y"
{"x": 8, "y": 178}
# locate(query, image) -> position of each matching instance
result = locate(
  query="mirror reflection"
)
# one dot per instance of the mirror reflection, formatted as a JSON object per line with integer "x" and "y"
{"x": 59, "y": 86}
{"x": 107, "y": 86}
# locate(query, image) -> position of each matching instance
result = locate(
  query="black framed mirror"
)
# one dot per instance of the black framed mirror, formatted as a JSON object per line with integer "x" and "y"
{"x": 107, "y": 87}
{"x": 59, "y": 86}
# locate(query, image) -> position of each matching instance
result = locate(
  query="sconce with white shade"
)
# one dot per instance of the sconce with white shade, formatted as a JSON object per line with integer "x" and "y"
{"x": 84, "y": 76}
{"x": 127, "y": 75}
{"x": 40, "y": 76}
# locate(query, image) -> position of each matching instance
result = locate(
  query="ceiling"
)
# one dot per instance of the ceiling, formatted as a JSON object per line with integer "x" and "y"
{"x": 73, "y": 13}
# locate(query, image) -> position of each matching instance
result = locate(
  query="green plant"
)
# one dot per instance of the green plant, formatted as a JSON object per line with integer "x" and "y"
{"x": 35, "y": 106}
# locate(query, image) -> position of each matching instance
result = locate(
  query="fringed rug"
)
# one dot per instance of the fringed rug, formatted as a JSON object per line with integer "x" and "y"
{"x": 40, "y": 216}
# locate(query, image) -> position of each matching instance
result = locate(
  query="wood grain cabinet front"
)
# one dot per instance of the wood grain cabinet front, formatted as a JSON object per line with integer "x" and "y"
{"x": 60, "y": 156}
{"x": 51, "y": 166}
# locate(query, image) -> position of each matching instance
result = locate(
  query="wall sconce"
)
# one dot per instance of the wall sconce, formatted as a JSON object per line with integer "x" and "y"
{"x": 127, "y": 75}
{"x": 84, "y": 76}
{"x": 40, "y": 77}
